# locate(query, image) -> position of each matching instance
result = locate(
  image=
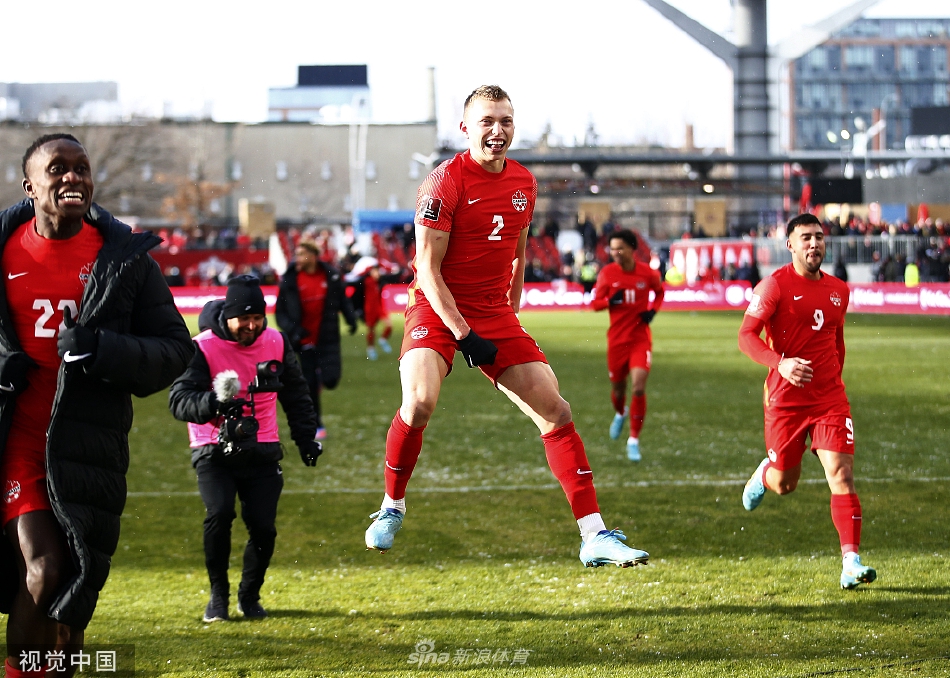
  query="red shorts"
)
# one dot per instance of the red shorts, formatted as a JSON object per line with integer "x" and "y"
{"x": 623, "y": 357}
{"x": 425, "y": 329}
{"x": 786, "y": 429}
{"x": 23, "y": 474}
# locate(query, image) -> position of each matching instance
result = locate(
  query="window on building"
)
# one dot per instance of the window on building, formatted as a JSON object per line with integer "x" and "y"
{"x": 905, "y": 29}
{"x": 884, "y": 58}
{"x": 859, "y": 57}
{"x": 940, "y": 97}
{"x": 940, "y": 60}
{"x": 908, "y": 58}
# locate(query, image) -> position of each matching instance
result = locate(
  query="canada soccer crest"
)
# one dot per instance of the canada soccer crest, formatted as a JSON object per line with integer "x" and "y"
{"x": 835, "y": 299}
{"x": 420, "y": 332}
{"x": 85, "y": 272}
{"x": 12, "y": 492}
{"x": 520, "y": 201}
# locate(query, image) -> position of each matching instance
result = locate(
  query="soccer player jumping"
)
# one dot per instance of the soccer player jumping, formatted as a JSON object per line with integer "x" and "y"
{"x": 472, "y": 218}
{"x": 624, "y": 287}
{"x": 802, "y": 311}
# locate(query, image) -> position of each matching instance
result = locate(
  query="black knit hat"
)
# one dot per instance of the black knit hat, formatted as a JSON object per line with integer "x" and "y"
{"x": 244, "y": 297}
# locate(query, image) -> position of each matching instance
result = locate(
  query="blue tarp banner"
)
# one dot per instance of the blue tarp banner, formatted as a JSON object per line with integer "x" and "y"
{"x": 381, "y": 220}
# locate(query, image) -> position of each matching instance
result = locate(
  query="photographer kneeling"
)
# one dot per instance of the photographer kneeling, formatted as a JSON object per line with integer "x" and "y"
{"x": 228, "y": 395}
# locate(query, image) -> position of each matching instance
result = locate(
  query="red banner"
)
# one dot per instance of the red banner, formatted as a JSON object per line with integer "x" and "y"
{"x": 193, "y": 299}
{"x": 927, "y": 298}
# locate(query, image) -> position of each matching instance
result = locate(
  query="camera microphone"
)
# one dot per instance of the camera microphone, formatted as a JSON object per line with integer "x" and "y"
{"x": 226, "y": 385}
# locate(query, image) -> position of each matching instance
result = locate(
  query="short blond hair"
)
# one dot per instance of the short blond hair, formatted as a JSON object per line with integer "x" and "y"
{"x": 487, "y": 92}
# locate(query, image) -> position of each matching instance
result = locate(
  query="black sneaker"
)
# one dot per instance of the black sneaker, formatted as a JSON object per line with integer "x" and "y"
{"x": 217, "y": 609}
{"x": 251, "y": 609}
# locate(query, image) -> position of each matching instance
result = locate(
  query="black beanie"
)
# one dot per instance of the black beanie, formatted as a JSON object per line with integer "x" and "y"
{"x": 244, "y": 297}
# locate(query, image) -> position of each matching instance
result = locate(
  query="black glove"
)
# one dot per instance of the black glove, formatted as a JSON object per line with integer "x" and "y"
{"x": 617, "y": 297}
{"x": 647, "y": 316}
{"x": 232, "y": 409}
{"x": 77, "y": 343}
{"x": 352, "y": 327}
{"x": 13, "y": 369}
{"x": 477, "y": 351}
{"x": 310, "y": 451}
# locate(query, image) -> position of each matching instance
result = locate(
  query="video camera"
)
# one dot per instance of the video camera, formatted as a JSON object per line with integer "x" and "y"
{"x": 238, "y": 431}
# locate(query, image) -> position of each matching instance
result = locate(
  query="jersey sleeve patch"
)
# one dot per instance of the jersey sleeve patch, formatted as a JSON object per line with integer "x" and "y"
{"x": 430, "y": 208}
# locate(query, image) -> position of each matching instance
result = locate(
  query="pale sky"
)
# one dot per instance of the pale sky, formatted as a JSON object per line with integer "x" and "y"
{"x": 617, "y": 63}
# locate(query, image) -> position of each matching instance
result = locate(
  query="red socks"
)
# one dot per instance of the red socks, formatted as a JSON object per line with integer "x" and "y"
{"x": 403, "y": 445}
{"x": 20, "y": 673}
{"x": 846, "y": 515}
{"x": 568, "y": 461}
{"x": 638, "y": 412}
{"x": 387, "y": 331}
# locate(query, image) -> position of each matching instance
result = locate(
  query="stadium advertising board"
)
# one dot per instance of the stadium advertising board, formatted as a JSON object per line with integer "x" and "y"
{"x": 927, "y": 299}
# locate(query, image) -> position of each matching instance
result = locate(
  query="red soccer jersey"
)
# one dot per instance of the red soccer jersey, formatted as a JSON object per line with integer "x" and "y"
{"x": 803, "y": 319}
{"x": 485, "y": 214}
{"x": 42, "y": 278}
{"x": 313, "y": 293}
{"x": 625, "y": 322}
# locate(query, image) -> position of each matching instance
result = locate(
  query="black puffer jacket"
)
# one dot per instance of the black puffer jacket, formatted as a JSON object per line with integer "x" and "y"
{"x": 191, "y": 397}
{"x": 289, "y": 315}
{"x": 143, "y": 345}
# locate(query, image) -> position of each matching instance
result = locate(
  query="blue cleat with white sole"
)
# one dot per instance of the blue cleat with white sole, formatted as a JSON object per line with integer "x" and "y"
{"x": 383, "y": 344}
{"x": 633, "y": 449}
{"x": 382, "y": 531}
{"x": 616, "y": 426}
{"x": 854, "y": 572}
{"x": 605, "y": 548}
{"x": 754, "y": 489}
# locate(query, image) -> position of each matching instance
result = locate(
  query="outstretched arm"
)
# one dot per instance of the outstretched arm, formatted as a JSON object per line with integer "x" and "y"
{"x": 431, "y": 245}
{"x": 517, "y": 271}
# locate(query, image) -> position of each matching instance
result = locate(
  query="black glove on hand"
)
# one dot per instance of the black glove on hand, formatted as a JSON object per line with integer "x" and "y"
{"x": 13, "y": 369}
{"x": 617, "y": 297}
{"x": 233, "y": 408}
{"x": 647, "y": 316}
{"x": 352, "y": 328}
{"x": 310, "y": 451}
{"x": 477, "y": 351}
{"x": 76, "y": 343}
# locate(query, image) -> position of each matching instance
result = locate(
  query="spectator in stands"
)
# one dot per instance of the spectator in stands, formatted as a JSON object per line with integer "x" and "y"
{"x": 310, "y": 297}
{"x": 877, "y": 267}
{"x": 841, "y": 271}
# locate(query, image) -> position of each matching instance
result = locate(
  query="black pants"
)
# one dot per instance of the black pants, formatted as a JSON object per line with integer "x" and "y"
{"x": 310, "y": 367}
{"x": 258, "y": 488}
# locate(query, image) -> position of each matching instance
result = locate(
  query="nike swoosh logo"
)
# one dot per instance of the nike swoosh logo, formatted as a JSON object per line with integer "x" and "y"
{"x": 392, "y": 468}
{"x": 7, "y": 389}
{"x": 581, "y": 473}
{"x": 12, "y": 276}
{"x": 798, "y": 297}
{"x": 472, "y": 202}
{"x": 70, "y": 358}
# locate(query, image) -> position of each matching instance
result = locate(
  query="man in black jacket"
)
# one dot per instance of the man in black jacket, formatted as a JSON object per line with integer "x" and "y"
{"x": 241, "y": 369}
{"x": 86, "y": 320}
{"x": 310, "y": 296}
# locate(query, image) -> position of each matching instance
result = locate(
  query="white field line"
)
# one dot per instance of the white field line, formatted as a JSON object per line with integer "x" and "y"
{"x": 696, "y": 482}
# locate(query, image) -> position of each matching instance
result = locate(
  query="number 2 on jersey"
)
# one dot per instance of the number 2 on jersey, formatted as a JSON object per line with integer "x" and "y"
{"x": 45, "y": 305}
{"x": 500, "y": 220}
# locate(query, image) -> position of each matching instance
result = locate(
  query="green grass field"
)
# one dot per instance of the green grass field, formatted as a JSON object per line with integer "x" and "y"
{"x": 485, "y": 574}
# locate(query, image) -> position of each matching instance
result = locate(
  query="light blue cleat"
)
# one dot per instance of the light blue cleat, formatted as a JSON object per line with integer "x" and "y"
{"x": 382, "y": 531}
{"x": 633, "y": 449}
{"x": 371, "y": 353}
{"x": 605, "y": 548}
{"x": 754, "y": 489}
{"x": 383, "y": 344}
{"x": 616, "y": 426}
{"x": 854, "y": 572}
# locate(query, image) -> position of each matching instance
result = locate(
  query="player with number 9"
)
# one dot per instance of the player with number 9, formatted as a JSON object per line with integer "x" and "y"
{"x": 472, "y": 219}
{"x": 802, "y": 311}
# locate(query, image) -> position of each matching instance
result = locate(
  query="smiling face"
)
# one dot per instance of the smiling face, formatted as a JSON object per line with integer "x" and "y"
{"x": 490, "y": 127}
{"x": 59, "y": 180}
{"x": 622, "y": 254}
{"x": 246, "y": 328}
{"x": 807, "y": 245}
